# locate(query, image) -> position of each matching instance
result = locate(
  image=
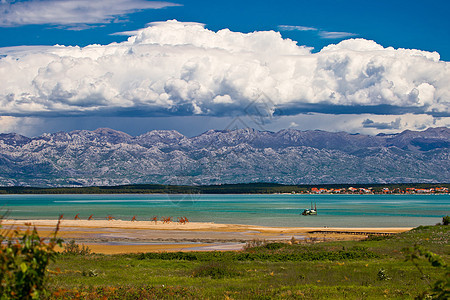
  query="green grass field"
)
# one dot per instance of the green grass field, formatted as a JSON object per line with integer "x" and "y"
{"x": 370, "y": 269}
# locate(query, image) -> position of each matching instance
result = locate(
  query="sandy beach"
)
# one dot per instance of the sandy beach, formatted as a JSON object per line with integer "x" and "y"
{"x": 117, "y": 236}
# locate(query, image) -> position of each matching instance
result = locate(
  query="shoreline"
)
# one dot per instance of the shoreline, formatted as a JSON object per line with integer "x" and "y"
{"x": 205, "y": 194}
{"x": 159, "y": 225}
{"x": 117, "y": 236}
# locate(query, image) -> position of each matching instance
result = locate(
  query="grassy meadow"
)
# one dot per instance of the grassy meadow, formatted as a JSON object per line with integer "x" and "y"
{"x": 374, "y": 268}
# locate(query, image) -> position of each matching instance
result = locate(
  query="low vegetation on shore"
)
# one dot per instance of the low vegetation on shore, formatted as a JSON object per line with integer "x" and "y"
{"x": 395, "y": 266}
{"x": 412, "y": 264}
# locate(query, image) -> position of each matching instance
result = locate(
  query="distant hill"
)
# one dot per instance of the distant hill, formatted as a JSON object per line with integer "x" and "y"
{"x": 107, "y": 157}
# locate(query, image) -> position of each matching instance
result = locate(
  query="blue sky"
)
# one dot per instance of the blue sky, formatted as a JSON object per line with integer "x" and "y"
{"x": 388, "y": 105}
{"x": 412, "y": 24}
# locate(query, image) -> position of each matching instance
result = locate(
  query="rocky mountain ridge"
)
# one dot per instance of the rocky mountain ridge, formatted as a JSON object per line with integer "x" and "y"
{"x": 109, "y": 157}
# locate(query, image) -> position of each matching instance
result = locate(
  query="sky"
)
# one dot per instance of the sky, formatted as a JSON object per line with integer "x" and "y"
{"x": 134, "y": 65}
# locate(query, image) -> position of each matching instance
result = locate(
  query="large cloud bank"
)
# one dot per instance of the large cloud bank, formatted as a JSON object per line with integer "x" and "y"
{"x": 173, "y": 68}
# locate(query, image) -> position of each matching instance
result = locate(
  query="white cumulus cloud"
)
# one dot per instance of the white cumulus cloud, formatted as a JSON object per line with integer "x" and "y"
{"x": 174, "y": 68}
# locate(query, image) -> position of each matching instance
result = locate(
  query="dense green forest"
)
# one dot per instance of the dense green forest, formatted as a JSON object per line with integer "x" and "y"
{"x": 244, "y": 188}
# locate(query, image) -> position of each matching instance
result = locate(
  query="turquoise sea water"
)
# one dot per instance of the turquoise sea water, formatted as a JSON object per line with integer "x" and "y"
{"x": 269, "y": 210}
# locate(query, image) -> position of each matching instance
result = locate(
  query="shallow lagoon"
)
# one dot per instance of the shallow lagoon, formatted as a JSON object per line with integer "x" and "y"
{"x": 269, "y": 210}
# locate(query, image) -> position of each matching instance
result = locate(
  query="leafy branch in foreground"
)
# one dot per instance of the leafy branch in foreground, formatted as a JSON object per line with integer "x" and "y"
{"x": 24, "y": 257}
{"x": 439, "y": 289}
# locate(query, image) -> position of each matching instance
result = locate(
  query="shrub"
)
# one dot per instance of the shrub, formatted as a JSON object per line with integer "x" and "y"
{"x": 24, "y": 257}
{"x": 73, "y": 248}
{"x": 446, "y": 220}
{"x": 89, "y": 273}
{"x": 377, "y": 237}
{"x": 170, "y": 256}
{"x": 274, "y": 246}
{"x": 382, "y": 275}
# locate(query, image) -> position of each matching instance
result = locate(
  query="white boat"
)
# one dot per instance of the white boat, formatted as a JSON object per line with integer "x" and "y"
{"x": 310, "y": 211}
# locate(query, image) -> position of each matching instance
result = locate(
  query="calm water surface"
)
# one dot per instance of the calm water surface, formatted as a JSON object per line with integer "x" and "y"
{"x": 270, "y": 210}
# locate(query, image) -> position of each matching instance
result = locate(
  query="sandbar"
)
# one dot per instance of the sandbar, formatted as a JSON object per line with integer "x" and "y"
{"x": 117, "y": 236}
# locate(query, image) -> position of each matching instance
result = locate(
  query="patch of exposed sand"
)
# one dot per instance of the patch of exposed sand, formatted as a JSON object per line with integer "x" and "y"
{"x": 118, "y": 236}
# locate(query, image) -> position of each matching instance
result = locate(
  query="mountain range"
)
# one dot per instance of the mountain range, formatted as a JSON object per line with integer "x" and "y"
{"x": 109, "y": 157}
